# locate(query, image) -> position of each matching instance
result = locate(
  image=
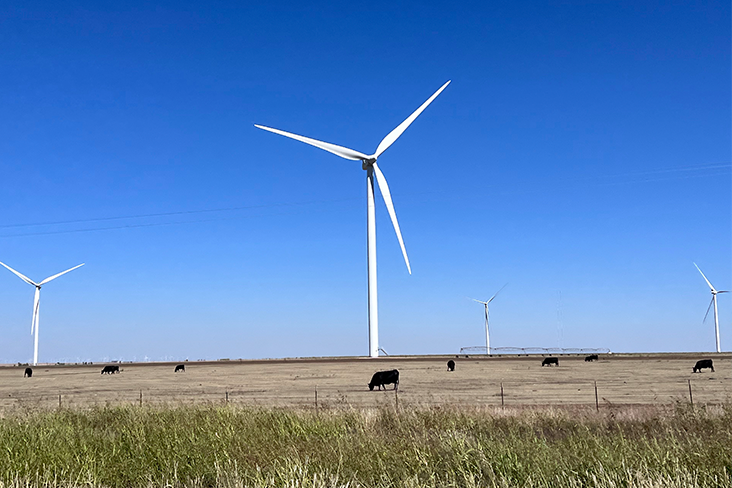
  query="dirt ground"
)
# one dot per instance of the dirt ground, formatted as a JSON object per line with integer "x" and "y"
{"x": 622, "y": 379}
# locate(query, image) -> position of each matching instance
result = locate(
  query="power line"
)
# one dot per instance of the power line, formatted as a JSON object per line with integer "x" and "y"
{"x": 168, "y": 214}
{"x": 645, "y": 176}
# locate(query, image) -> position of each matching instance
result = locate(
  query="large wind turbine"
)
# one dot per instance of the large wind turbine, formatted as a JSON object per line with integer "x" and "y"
{"x": 37, "y": 302}
{"x": 368, "y": 163}
{"x": 714, "y": 301}
{"x": 487, "y": 330}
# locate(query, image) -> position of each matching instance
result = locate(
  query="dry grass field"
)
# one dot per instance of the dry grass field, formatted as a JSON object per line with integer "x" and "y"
{"x": 622, "y": 379}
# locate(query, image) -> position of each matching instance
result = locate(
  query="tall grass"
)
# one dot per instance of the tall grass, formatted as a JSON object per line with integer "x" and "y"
{"x": 229, "y": 446}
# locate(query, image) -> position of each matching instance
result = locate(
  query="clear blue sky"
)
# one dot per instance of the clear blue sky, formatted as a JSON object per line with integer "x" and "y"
{"x": 581, "y": 154}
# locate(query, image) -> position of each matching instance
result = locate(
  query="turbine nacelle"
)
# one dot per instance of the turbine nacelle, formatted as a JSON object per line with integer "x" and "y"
{"x": 367, "y": 163}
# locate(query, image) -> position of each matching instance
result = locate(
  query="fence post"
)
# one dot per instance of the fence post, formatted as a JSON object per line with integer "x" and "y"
{"x": 597, "y": 401}
{"x": 316, "y": 399}
{"x": 140, "y": 397}
{"x": 227, "y": 396}
{"x": 502, "y": 402}
{"x": 59, "y": 400}
{"x": 396, "y": 397}
{"x": 691, "y": 397}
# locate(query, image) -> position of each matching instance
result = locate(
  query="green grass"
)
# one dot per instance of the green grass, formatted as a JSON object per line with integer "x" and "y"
{"x": 413, "y": 447}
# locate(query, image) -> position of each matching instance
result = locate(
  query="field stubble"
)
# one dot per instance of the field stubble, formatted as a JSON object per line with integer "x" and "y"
{"x": 621, "y": 380}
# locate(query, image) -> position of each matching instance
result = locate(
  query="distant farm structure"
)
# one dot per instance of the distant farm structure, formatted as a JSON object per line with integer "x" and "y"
{"x": 534, "y": 350}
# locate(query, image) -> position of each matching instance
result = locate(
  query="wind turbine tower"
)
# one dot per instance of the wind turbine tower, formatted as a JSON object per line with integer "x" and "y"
{"x": 37, "y": 302}
{"x": 715, "y": 292}
{"x": 368, "y": 164}
{"x": 487, "y": 329}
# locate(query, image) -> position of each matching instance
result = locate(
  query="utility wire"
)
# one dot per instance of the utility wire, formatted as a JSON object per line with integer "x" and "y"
{"x": 661, "y": 175}
{"x": 168, "y": 214}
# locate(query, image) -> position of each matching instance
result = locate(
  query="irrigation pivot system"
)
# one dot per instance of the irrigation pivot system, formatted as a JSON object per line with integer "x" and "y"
{"x": 37, "y": 302}
{"x": 368, "y": 163}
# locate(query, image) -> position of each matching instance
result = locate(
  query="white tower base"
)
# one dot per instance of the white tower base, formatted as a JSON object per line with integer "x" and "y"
{"x": 371, "y": 251}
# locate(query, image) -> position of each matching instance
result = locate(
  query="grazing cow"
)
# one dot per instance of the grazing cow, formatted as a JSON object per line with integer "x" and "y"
{"x": 451, "y": 365}
{"x": 550, "y": 361}
{"x": 703, "y": 363}
{"x": 383, "y": 378}
{"x": 28, "y": 373}
{"x": 591, "y": 357}
{"x": 180, "y": 367}
{"x": 110, "y": 369}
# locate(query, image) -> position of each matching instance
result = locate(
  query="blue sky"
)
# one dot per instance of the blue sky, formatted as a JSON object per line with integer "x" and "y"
{"x": 581, "y": 154}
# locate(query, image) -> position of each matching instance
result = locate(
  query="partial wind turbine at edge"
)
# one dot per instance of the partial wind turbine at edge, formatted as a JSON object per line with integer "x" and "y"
{"x": 37, "y": 302}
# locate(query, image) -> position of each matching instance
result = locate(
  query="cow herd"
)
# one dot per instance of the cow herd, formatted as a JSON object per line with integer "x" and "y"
{"x": 382, "y": 378}
{"x": 109, "y": 369}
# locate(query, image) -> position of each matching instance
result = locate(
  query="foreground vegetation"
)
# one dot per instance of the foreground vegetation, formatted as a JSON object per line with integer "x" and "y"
{"x": 415, "y": 447}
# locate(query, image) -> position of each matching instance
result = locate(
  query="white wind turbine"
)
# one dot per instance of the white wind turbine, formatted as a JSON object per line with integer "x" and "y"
{"x": 714, "y": 301}
{"x": 368, "y": 163}
{"x": 487, "y": 330}
{"x": 37, "y": 302}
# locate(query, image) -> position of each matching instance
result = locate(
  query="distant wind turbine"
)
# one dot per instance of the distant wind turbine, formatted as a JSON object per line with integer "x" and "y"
{"x": 37, "y": 302}
{"x": 368, "y": 163}
{"x": 715, "y": 292}
{"x": 487, "y": 330}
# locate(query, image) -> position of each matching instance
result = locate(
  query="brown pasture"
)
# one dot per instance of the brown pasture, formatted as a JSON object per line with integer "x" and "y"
{"x": 622, "y": 379}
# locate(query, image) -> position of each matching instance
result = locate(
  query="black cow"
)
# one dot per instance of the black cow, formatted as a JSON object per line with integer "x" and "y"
{"x": 451, "y": 365}
{"x": 180, "y": 367}
{"x": 110, "y": 369}
{"x": 550, "y": 361}
{"x": 28, "y": 373}
{"x": 383, "y": 378}
{"x": 703, "y": 363}
{"x": 591, "y": 357}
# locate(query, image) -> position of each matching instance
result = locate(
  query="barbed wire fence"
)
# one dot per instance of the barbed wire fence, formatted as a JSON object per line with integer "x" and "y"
{"x": 599, "y": 395}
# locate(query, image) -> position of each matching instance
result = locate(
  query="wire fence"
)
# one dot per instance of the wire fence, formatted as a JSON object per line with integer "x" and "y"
{"x": 596, "y": 394}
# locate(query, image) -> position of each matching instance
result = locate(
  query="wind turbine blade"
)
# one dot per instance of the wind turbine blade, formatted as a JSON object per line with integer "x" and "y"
{"x": 341, "y": 151}
{"x": 499, "y": 291}
{"x": 394, "y": 135}
{"x": 708, "y": 309}
{"x": 36, "y": 304}
{"x": 21, "y": 276}
{"x": 722, "y": 291}
{"x": 705, "y": 278}
{"x": 479, "y": 301}
{"x": 384, "y": 187}
{"x": 50, "y": 278}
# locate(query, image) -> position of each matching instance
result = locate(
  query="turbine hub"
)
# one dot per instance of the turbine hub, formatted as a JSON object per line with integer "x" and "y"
{"x": 367, "y": 163}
